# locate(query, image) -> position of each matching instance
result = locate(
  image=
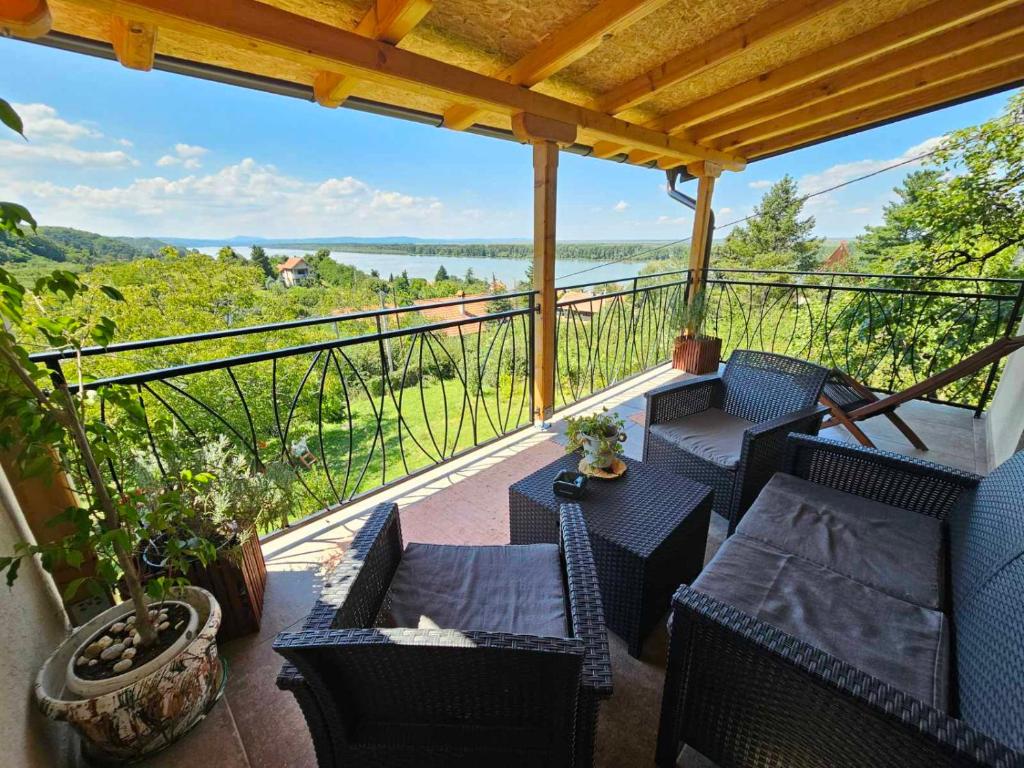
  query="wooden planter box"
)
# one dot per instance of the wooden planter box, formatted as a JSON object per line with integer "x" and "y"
{"x": 697, "y": 356}
{"x": 238, "y": 583}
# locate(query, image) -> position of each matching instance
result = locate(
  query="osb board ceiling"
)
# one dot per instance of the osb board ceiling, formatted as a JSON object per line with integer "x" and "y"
{"x": 726, "y": 45}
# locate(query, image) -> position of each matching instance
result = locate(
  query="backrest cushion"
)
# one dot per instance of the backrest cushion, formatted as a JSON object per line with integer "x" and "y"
{"x": 760, "y": 386}
{"x": 986, "y": 536}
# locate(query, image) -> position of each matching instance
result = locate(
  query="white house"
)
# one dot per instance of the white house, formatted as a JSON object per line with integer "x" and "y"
{"x": 293, "y": 271}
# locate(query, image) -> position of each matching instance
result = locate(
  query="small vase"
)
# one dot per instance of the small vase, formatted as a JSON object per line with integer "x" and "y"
{"x": 597, "y": 456}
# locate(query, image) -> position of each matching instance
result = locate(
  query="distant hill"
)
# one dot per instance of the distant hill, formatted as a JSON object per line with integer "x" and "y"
{"x": 244, "y": 241}
{"x": 65, "y": 248}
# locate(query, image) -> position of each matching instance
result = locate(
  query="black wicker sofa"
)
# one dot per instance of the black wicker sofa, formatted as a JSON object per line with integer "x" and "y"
{"x": 386, "y": 675}
{"x": 868, "y": 611}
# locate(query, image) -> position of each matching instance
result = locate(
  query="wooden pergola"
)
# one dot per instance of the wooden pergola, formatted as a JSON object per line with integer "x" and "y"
{"x": 701, "y": 85}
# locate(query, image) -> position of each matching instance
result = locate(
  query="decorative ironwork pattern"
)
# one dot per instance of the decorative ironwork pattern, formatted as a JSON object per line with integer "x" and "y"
{"x": 606, "y": 337}
{"x": 352, "y": 414}
{"x": 888, "y": 331}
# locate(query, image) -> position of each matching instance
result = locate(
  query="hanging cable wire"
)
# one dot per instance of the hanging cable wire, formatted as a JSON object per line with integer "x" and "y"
{"x": 801, "y": 200}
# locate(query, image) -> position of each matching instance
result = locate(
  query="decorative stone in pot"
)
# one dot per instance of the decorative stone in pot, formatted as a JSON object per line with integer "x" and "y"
{"x": 143, "y": 708}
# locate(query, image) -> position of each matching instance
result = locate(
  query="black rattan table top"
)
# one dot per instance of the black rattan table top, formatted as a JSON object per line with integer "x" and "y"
{"x": 637, "y": 511}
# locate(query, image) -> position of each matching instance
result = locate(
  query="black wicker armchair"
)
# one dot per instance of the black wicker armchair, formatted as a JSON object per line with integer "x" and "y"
{"x": 377, "y": 694}
{"x": 728, "y": 430}
{"x": 745, "y": 688}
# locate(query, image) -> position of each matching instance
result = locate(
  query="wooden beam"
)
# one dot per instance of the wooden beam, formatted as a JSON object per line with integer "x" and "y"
{"x": 530, "y": 128}
{"x": 264, "y": 29}
{"x": 699, "y": 252}
{"x": 560, "y": 49}
{"x": 640, "y": 156}
{"x": 545, "y": 194}
{"x": 959, "y": 44}
{"x": 954, "y": 67}
{"x": 904, "y": 30}
{"x": 769, "y": 25}
{"x": 25, "y": 18}
{"x": 388, "y": 21}
{"x": 134, "y": 42}
{"x": 606, "y": 149}
{"x": 896, "y": 107}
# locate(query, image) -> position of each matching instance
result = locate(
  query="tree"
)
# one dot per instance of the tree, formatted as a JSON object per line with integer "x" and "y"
{"x": 964, "y": 215}
{"x": 442, "y": 274}
{"x": 776, "y": 237}
{"x": 227, "y": 253}
{"x": 259, "y": 257}
{"x": 470, "y": 277}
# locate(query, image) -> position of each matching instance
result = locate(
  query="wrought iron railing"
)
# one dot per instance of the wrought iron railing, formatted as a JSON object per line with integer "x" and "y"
{"x": 356, "y": 402}
{"x": 387, "y": 397}
{"x": 889, "y": 331}
{"x": 613, "y": 331}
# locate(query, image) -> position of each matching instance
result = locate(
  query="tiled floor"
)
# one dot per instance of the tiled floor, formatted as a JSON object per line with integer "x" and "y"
{"x": 257, "y": 726}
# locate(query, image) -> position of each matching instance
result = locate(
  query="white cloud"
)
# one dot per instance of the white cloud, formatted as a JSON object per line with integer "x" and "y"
{"x": 247, "y": 196}
{"x": 724, "y": 211}
{"x": 620, "y": 206}
{"x": 43, "y": 124}
{"x": 186, "y": 155}
{"x": 759, "y": 184}
{"x": 190, "y": 150}
{"x": 861, "y": 210}
{"x": 843, "y": 172}
{"x": 19, "y": 151}
{"x": 673, "y": 220}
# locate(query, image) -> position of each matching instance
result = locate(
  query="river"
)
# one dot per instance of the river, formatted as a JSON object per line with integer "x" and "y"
{"x": 507, "y": 271}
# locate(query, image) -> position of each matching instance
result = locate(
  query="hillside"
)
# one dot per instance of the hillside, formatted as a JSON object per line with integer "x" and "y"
{"x": 68, "y": 248}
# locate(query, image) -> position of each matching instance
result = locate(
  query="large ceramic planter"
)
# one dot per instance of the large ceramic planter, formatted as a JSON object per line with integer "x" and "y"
{"x": 149, "y": 712}
{"x": 697, "y": 355}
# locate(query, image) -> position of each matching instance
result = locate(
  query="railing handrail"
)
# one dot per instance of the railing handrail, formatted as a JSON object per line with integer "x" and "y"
{"x": 873, "y": 289}
{"x": 276, "y": 354}
{"x": 52, "y": 355}
{"x": 875, "y": 275}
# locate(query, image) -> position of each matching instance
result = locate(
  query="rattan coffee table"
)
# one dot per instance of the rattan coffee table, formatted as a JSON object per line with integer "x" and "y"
{"x": 648, "y": 531}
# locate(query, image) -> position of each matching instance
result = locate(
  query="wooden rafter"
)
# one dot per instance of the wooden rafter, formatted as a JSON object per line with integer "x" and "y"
{"x": 134, "y": 42}
{"x": 924, "y": 59}
{"x": 606, "y": 149}
{"x": 901, "y": 104}
{"x": 266, "y": 30}
{"x": 904, "y": 30}
{"x": 388, "y": 21}
{"x": 954, "y": 67}
{"x": 769, "y": 25}
{"x": 560, "y": 49}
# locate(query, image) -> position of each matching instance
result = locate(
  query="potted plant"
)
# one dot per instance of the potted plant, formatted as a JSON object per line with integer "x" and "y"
{"x": 236, "y": 499}
{"x": 694, "y": 352}
{"x": 599, "y": 436}
{"x": 140, "y": 674}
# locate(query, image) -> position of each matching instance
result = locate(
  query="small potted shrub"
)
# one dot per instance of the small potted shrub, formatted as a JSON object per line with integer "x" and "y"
{"x": 599, "y": 436}
{"x": 228, "y": 505}
{"x": 693, "y": 351}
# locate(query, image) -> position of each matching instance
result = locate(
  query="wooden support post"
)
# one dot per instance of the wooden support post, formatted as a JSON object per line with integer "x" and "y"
{"x": 700, "y": 249}
{"x": 545, "y": 184}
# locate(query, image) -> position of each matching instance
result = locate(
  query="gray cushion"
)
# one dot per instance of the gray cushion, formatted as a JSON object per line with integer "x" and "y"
{"x": 515, "y": 589}
{"x": 887, "y": 548}
{"x": 904, "y": 645}
{"x": 713, "y": 435}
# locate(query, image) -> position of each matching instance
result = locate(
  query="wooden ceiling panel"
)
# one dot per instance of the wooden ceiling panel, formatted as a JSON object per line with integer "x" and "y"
{"x": 656, "y": 72}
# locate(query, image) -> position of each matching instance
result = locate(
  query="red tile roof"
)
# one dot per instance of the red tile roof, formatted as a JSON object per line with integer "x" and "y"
{"x": 291, "y": 263}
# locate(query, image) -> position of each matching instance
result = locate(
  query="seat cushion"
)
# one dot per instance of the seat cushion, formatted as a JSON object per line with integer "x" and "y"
{"x": 902, "y": 644}
{"x": 889, "y": 549}
{"x": 515, "y": 589}
{"x": 713, "y": 435}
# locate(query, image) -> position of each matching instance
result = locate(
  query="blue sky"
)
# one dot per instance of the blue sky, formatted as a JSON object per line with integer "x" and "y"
{"x": 121, "y": 152}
